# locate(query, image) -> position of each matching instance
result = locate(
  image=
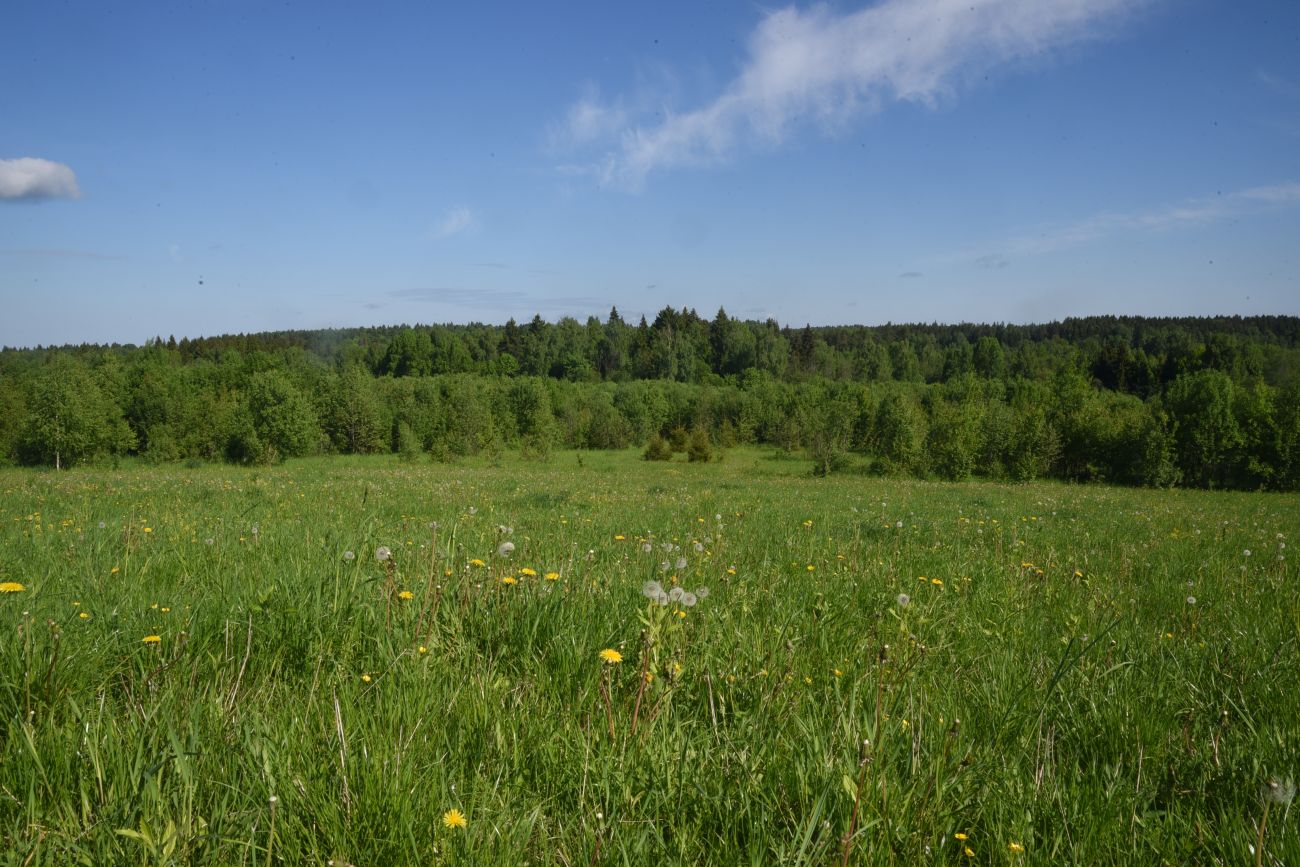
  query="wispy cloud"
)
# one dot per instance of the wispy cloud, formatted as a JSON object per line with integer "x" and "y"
{"x": 454, "y": 222}
{"x": 825, "y": 67}
{"x": 1191, "y": 213}
{"x": 33, "y": 178}
{"x": 55, "y": 253}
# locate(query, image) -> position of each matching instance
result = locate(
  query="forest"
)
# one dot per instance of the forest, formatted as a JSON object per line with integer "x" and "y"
{"x": 1195, "y": 402}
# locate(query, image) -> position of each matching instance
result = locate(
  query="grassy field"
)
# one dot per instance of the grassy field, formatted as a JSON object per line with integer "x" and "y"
{"x": 214, "y": 666}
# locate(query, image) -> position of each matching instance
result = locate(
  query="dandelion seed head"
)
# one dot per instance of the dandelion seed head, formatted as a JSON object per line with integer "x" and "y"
{"x": 702, "y": 592}
{"x": 681, "y": 562}
{"x": 1191, "y": 600}
{"x": 382, "y": 554}
{"x": 651, "y": 589}
{"x": 505, "y": 549}
{"x": 689, "y": 600}
{"x": 348, "y": 555}
{"x": 904, "y": 600}
{"x": 676, "y": 594}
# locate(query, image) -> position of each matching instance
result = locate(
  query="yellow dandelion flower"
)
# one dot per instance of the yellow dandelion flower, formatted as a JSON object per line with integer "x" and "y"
{"x": 812, "y": 568}
{"x": 649, "y": 676}
{"x": 406, "y": 594}
{"x": 531, "y": 573}
{"x": 936, "y": 582}
{"x": 113, "y": 571}
{"x": 11, "y": 587}
{"x": 453, "y": 819}
{"x": 148, "y": 529}
{"x": 365, "y": 678}
{"x": 968, "y": 852}
{"x": 620, "y": 537}
{"x": 1015, "y": 847}
{"x": 84, "y": 616}
{"x": 611, "y": 656}
{"x": 422, "y": 649}
{"x": 510, "y": 579}
{"x": 839, "y": 673}
{"x": 476, "y": 562}
{"x": 960, "y": 836}
{"x": 552, "y": 576}
{"x": 152, "y": 639}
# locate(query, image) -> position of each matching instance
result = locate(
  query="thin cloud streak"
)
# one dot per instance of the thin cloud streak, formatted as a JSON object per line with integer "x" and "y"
{"x": 819, "y": 66}
{"x": 1197, "y": 212}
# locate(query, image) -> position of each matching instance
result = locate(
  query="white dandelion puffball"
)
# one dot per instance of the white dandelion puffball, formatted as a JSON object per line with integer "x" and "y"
{"x": 904, "y": 600}
{"x": 702, "y": 592}
{"x": 688, "y": 600}
{"x": 348, "y": 555}
{"x": 681, "y": 562}
{"x": 676, "y": 594}
{"x": 505, "y": 549}
{"x": 651, "y": 589}
{"x": 382, "y": 553}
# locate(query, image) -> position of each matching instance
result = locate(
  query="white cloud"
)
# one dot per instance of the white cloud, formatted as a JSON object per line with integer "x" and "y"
{"x": 35, "y": 178}
{"x": 822, "y": 66}
{"x": 454, "y": 222}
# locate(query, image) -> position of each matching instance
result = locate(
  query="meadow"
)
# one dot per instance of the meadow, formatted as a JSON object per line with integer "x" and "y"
{"x": 600, "y": 660}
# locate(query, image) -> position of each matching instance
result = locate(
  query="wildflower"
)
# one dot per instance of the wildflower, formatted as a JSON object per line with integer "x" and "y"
{"x": 968, "y": 852}
{"x": 477, "y": 562}
{"x": 382, "y": 553}
{"x": 84, "y": 616}
{"x": 904, "y": 600}
{"x": 505, "y": 549}
{"x": 1191, "y": 600}
{"x": 898, "y": 525}
{"x": 936, "y": 582}
{"x": 838, "y": 673}
{"x": 152, "y": 639}
{"x": 102, "y": 525}
{"x": 646, "y": 547}
{"x": 510, "y": 579}
{"x": 688, "y": 600}
{"x": 209, "y": 541}
{"x": 148, "y": 529}
{"x": 1015, "y": 847}
{"x": 620, "y": 537}
{"x": 681, "y": 562}
{"x": 406, "y": 594}
{"x": 960, "y": 836}
{"x": 552, "y": 576}
{"x": 812, "y": 568}
{"x": 1279, "y": 792}
{"x": 528, "y": 573}
{"x": 651, "y": 589}
{"x": 453, "y": 819}
{"x": 421, "y": 649}
{"x": 11, "y": 587}
{"x": 612, "y": 656}
{"x": 365, "y": 678}
{"x": 1246, "y": 553}
{"x": 348, "y": 555}
{"x": 702, "y": 592}
{"x": 676, "y": 594}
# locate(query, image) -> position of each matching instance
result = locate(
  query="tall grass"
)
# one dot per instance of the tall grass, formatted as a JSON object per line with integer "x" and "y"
{"x": 881, "y": 672}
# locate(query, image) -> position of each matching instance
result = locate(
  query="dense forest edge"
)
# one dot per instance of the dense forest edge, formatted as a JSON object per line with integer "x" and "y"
{"x": 1198, "y": 402}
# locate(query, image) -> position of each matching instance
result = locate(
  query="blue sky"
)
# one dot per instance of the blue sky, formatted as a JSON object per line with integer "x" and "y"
{"x": 205, "y": 168}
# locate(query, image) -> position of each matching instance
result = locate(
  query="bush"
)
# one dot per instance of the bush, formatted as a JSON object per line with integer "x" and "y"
{"x": 699, "y": 450}
{"x": 658, "y": 449}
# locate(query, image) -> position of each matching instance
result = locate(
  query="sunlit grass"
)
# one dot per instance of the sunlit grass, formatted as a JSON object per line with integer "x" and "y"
{"x": 867, "y": 669}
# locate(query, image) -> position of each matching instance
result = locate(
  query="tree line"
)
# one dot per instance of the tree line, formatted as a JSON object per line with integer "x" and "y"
{"x": 1209, "y": 402}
